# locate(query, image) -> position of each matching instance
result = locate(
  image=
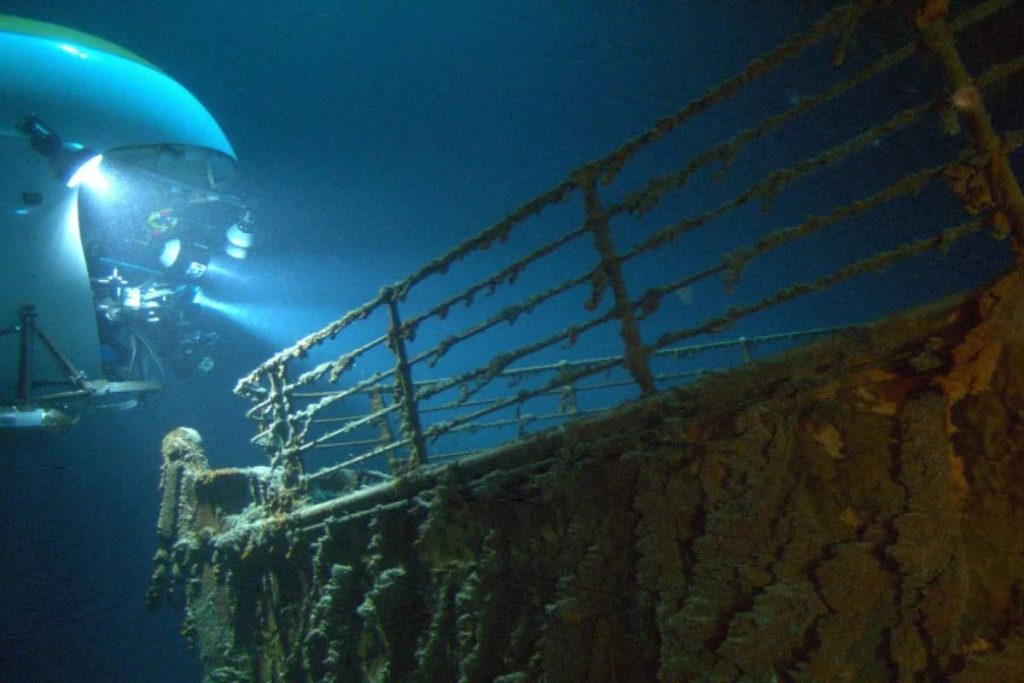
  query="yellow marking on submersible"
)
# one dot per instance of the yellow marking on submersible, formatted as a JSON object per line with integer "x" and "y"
{"x": 43, "y": 29}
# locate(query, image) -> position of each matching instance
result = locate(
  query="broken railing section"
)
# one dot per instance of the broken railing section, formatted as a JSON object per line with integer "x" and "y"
{"x": 293, "y": 414}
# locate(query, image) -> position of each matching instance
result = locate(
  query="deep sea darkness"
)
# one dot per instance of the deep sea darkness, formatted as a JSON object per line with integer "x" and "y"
{"x": 371, "y": 135}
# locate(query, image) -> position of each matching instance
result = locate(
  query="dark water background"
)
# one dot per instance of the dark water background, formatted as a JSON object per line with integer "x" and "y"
{"x": 371, "y": 136}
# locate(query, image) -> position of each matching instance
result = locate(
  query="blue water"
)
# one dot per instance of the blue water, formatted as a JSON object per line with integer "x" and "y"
{"x": 371, "y": 136}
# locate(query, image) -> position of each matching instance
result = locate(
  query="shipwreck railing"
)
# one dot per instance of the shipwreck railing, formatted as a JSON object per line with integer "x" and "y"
{"x": 880, "y": 149}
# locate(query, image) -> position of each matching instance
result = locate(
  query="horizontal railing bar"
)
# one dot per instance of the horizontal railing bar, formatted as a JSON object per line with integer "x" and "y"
{"x": 692, "y": 349}
{"x": 737, "y": 259}
{"x": 507, "y": 314}
{"x": 302, "y": 347}
{"x": 525, "y": 419}
{"x": 363, "y": 457}
{"x": 336, "y": 366}
{"x": 776, "y": 181}
{"x": 358, "y": 388}
{"x": 771, "y": 184}
{"x": 733, "y": 263}
{"x": 510, "y": 273}
{"x": 497, "y": 232}
{"x": 342, "y": 444}
{"x": 748, "y": 341}
{"x": 610, "y": 165}
{"x": 871, "y": 263}
{"x": 501, "y": 361}
{"x": 642, "y": 200}
{"x": 439, "y": 429}
{"x": 343, "y": 418}
{"x": 350, "y": 427}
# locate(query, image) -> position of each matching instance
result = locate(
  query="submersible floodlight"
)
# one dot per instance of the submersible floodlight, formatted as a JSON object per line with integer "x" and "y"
{"x": 74, "y": 163}
{"x": 188, "y": 259}
{"x": 85, "y": 169}
{"x": 240, "y": 239}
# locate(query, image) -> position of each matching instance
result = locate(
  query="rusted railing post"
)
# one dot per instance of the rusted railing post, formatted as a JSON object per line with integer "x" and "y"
{"x": 384, "y": 434}
{"x": 748, "y": 357}
{"x": 567, "y": 405}
{"x": 967, "y": 102}
{"x": 405, "y": 391}
{"x": 284, "y": 452}
{"x": 635, "y": 354}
